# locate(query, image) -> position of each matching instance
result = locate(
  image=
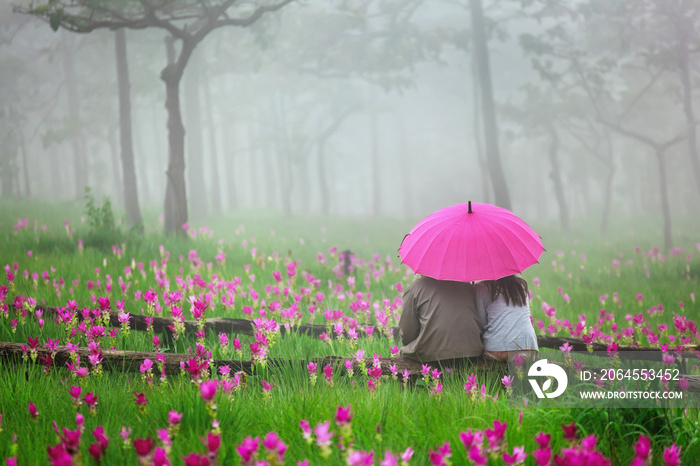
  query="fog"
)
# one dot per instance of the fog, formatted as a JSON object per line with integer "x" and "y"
{"x": 366, "y": 108}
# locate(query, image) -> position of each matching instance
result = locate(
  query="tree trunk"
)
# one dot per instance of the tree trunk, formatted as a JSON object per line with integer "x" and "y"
{"x": 500, "y": 187}
{"x": 607, "y": 201}
{"x": 284, "y": 163}
{"x": 25, "y": 165}
{"x": 555, "y": 176}
{"x": 194, "y": 147}
{"x": 684, "y": 67}
{"x": 230, "y": 164}
{"x": 117, "y": 186}
{"x": 324, "y": 191}
{"x": 77, "y": 140}
{"x": 130, "y": 181}
{"x": 213, "y": 148}
{"x": 175, "y": 208}
{"x": 404, "y": 164}
{"x": 665, "y": 204}
{"x": 478, "y": 144}
{"x": 376, "y": 176}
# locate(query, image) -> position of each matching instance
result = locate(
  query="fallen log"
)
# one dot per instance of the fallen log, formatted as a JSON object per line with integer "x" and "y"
{"x": 131, "y": 361}
{"x": 161, "y": 325}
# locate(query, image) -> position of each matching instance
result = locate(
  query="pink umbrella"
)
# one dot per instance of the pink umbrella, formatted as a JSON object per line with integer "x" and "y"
{"x": 468, "y": 242}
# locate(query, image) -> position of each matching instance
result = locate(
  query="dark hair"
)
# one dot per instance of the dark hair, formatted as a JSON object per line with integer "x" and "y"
{"x": 513, "y": 289}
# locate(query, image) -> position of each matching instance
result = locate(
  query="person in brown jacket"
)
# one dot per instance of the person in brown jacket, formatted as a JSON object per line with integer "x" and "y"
{"x": 439, "y": 321}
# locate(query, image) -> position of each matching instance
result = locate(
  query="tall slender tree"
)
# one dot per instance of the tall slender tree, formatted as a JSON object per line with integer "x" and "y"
{"x": 188, "y": 23}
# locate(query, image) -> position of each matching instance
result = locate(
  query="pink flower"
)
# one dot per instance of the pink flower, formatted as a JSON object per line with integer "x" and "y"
{"x": 33, "y": 412}
{"x": 75, "y": 393}
{"x": 274, "y": 445}
{"x": 343, "y": 415}
{"x": 328, "y": 372}
{"x": 174, "y": 417}
{"x": 470, "y": 438}
{"x": 361, "y": 458}
{"x": 144, "y": 447}
{"x": 542, "y": 439}
{"x": 323, "y": 435}
{"x": 266, "y": 387}
{"x": 438, "y": 457}
{"x": 140, "y": 399}
{"x": 542, "y": 456}
{"x": 248, "y": 448}
{"x": 496, "y": 434}
{"x": 213, "y": 443}
{"x": 569, "y": 432}
{"x": 477, "y": 457}
{"x": 90, "y": 400}
{"x": 642, "y": 448}
{"x": 306, "y": 429}
{"x": 208, "y": 390}
{"x": 672, "y": 455}
{"x": 518, "y": 456}
{"x": 507, "y": 380}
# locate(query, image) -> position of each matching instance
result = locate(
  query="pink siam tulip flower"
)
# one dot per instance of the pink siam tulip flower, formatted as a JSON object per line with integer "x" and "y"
{"x": 477, "y": 456}
{"x": 570, "y": 433}
{"x": 75, "y": 393}
{"x": 174, "y": 418}
{"x": 672, "y": 455}
{"x": 361, "y": 458}
{"x": 33, "y": 412}
{"x": 160, "y": 457}
{"x": 275, "y": 446}
{"x": 542, "y": 456}
{"x": 143, "y": 448}
{"x": 440, "y": 456}
{"x": 389, "y": 459}
{"x": 248, "y": 449}
{"x": 328, "y": 373}
{"x": 140, "y": 399}
{"x": 90, "y": 400}
{"x": 496, "y": 435}
{"x": 642, "y": 448}
{"x": 324, "y": 436}
{"x": 543, "y": 439}
{"x": 470, "y": 439}
{"x": 343, "y": 415}
{"x": 518, "y": 456}
{"x": 208, "y": 390}
{"x": 213, "y": 443}
{"x": 306, "y": 430}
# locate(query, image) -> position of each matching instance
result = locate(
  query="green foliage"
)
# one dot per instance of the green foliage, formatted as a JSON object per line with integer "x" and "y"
{"x": 103, "y": 229}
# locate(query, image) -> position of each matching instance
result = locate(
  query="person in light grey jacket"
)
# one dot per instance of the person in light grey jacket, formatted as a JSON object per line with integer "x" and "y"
{"x": 504, "y": 306}
{"x": 439, "y": 321}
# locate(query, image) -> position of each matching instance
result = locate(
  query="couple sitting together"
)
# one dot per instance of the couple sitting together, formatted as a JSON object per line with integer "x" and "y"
{"x": 444, "y": 320}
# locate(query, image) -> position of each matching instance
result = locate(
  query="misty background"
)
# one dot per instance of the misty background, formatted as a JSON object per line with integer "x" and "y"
{"x": 365, "y": 108}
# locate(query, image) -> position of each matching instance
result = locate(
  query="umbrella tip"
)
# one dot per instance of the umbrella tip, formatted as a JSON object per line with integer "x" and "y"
{"x": 470, "y": 207}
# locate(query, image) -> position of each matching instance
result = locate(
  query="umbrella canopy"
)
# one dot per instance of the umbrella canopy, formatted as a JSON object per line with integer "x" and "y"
{"x": 468, "y": 242}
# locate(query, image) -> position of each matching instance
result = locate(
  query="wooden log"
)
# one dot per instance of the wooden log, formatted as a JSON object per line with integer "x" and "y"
{"x": 245, "y": 327}
{"x": 130, "y": 361}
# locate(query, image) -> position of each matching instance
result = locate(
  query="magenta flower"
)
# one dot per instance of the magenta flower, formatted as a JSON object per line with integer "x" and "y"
{"x": 543, "y": 439}
{"x": 642, "y": 448}
{"x": 174, "y": 418}
{"x": 140, "y": 399}
{"x": 542, "y": 456}
{"x": 247, "y": 449}
{"x": 569, "y": 432}
{"x": 160, "y": 457}
{"x": 518, "y": 456}
{"x": 328, "y": 372}
{"x": 323, "y": 434}
{"x": 195, "y": 459}
{"x": 672, "y": 455}
{"x": 213, "y": 443}
{"x": 477, "y": 456}
{"x": 312, "y": 367}
{"x": 275, "y": 446}
{"x": 343, "y": 415}
{"x": 144, "y": 447}
{"x": 496, "y": 435}
{"x": 90, "y": 400}
{"x": 266, "y": 386}
{"x": 33, "y": 412}
{"x": 361, "y": 458}
{"x": 507, "y": 380}
{"x": 438, "y": 457}
{"x": 208, "y": 390}
{"x": 470, "y": 439}
{"x": 75, "y": 393}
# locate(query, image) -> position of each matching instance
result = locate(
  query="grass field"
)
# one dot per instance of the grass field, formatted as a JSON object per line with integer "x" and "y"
{"x": 291, "y": 269}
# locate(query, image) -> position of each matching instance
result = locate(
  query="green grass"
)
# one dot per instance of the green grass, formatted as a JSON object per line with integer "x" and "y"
{"x": 406, "y": 416}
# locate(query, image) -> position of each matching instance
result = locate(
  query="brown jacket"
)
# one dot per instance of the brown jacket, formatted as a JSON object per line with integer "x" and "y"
{"x": 439, "y": 320}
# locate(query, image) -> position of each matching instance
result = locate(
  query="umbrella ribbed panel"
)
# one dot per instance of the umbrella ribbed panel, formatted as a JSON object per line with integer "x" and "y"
{"x": 489, "y": 243}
